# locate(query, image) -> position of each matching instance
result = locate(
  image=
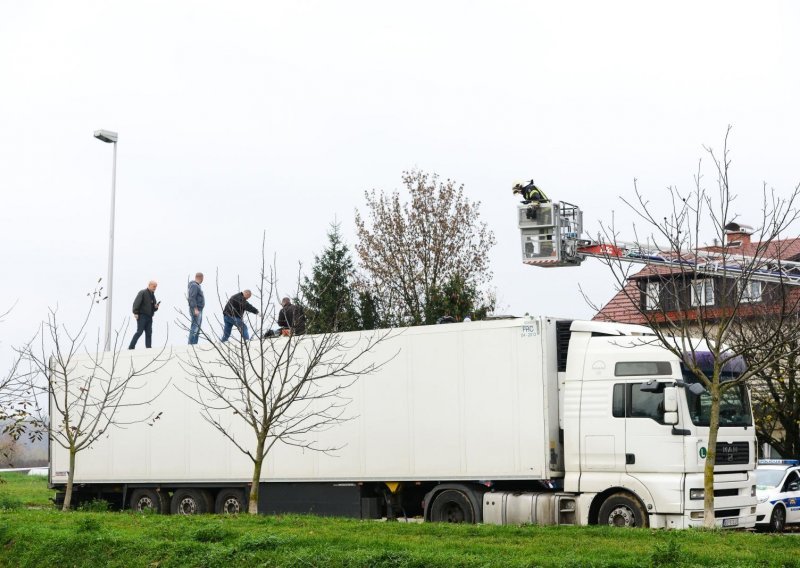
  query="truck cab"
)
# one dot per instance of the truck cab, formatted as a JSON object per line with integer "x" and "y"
{"x": 636, "y": 433}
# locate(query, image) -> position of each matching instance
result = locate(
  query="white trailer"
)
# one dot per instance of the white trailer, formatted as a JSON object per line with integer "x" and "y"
{"x": 519, "y": 420}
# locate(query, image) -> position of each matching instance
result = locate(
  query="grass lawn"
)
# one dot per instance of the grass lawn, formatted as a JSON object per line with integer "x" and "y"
{"x": 46, "y": 537}
{"x": 24, "y": 490}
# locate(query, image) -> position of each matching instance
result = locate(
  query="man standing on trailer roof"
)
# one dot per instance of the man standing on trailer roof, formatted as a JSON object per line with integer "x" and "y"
{"x": 233, "y": 313}
{"x": 197, "y": 301}
{"x": 144, "y": 308}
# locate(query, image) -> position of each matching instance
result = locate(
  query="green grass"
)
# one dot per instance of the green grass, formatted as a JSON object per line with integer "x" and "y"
{"x": 46, "y": 537}
{"x": 52, "y": 538}
{"x": 26, "y": 490}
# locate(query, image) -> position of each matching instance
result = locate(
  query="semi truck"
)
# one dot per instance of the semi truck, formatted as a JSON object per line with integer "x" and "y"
{"x": 508, "y": 421}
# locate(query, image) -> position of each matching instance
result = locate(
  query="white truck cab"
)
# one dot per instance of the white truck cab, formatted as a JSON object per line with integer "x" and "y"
{"x": 635, "y": 426}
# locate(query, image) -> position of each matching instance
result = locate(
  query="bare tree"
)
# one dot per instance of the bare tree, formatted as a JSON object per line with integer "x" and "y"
{"x": 16, "y": 402}
{"x": 286, "y": 388}
{"x": 16, "y": 407}
{"x": 87, "y": 389}
{"x": 410, "y": 251}
{"x": 681, "y": 303}
{"x": 776, "y": 389}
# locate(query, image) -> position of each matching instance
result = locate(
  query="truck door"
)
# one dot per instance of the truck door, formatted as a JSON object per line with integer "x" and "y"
{"x": 650, "y": 446}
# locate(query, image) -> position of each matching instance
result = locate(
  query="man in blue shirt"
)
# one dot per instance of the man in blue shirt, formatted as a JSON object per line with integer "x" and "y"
{"x": 196, "y": 304}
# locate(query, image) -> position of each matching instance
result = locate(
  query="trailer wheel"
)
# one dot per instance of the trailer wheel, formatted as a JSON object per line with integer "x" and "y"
{"x": 452, "y": 506}
{"x": 230, "y": 502}
{"x": 190, "y": 502}
{"x": 623, "y": 510}
{"x": 148, "y": 500}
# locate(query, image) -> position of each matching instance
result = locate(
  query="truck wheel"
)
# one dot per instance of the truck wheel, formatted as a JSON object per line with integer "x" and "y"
{"x": 148, "y": 499}
{"x": 190, "y": 502}
{"x": 230, "y": 502}
{"x": 452, "y": 506}
{"x": 622, "y": 510}
{"x": 777, "y": 521}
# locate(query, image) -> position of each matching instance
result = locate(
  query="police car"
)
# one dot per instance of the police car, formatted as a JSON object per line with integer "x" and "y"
{"x": 778, "y": 490}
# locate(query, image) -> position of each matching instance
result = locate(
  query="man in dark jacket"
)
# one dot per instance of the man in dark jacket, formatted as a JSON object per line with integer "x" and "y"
{"x": 144, "y": 307}
{"x": 233, "y": 312}
{"x": 292, "y": 317}
{"x": 197, "y": 301}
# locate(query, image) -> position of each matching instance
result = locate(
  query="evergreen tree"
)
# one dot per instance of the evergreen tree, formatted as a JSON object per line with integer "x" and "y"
{"x": 328, "y": 295}
{"x": 459, "y": 300}
{"x": 370, "y": 319}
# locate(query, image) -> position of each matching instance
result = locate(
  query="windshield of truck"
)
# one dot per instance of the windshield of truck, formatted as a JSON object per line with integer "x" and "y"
{"x": 768, "y": 478}
{"x": 734, "y": 409}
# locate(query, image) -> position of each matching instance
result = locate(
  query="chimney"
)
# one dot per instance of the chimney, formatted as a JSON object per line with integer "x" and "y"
{"x": 737, "y": 235}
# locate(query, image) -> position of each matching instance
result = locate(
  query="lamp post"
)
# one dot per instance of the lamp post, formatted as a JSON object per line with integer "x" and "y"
{"x": 111, "y": 138}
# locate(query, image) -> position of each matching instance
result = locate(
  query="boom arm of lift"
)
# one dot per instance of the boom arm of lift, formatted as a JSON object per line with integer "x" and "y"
{"x": 551, "y": 237}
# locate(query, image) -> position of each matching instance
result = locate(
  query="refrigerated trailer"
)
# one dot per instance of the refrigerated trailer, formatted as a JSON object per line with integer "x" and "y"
{"x": 520, "y": 420}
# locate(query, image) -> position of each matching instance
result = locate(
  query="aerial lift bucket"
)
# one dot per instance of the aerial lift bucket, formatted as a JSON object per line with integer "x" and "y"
{"x": 550, "y": 233}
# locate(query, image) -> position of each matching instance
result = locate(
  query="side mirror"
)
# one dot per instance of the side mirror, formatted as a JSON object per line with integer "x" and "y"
{"x": 670, "y": 399}
{"x": 671, "y": 418}
{"x": 794, "y": 486}
{"x": 651, "y": 386}
{"x": 697, "y": 389}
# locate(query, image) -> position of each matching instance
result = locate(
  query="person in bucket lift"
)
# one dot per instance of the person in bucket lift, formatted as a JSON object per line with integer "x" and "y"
{"x": 530, "y": 193}
{"x": 532, "y": 196}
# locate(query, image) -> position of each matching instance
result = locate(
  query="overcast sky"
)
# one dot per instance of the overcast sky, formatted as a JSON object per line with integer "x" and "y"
{"x": 242, "y": 117}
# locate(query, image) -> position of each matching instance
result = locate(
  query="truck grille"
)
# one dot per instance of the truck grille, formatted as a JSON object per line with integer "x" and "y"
{"x": 732, "y": 453}
{"x": 725, "y": 513}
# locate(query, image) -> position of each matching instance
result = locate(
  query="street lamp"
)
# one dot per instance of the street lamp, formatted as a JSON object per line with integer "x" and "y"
{"x": 111, "y": 138}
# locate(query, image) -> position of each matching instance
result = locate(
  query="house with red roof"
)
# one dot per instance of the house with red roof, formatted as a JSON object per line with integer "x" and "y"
{"x": 664, "y": 290}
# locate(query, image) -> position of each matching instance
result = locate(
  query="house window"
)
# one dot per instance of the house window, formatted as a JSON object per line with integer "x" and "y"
{"x": 652, "y": 295}
{"x": 703, "y": 293}
{"x": 751, "y": 290}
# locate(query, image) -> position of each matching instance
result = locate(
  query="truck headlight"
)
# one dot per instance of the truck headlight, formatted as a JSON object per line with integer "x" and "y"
{"x": 695, "y": 494}
{"x": 752, "y": 491}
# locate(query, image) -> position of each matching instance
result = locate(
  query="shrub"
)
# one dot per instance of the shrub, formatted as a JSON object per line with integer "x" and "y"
{"x": 666, "y": 554}
{"x": 88, "y": 524}
{"x": 9, "y": 503}
{"x": 94, "y": 506}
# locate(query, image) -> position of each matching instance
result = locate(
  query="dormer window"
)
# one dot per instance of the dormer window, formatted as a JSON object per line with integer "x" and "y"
{"x": 652, "y": 296}
{"x": 702, "y": 293}
{"x": 751, "y": 291}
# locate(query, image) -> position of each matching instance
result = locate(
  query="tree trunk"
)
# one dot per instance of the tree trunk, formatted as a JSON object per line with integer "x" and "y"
{"x": 252, "y": 505}
{"x": 70, "y": 477}
{"x": 709, "y": 521}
